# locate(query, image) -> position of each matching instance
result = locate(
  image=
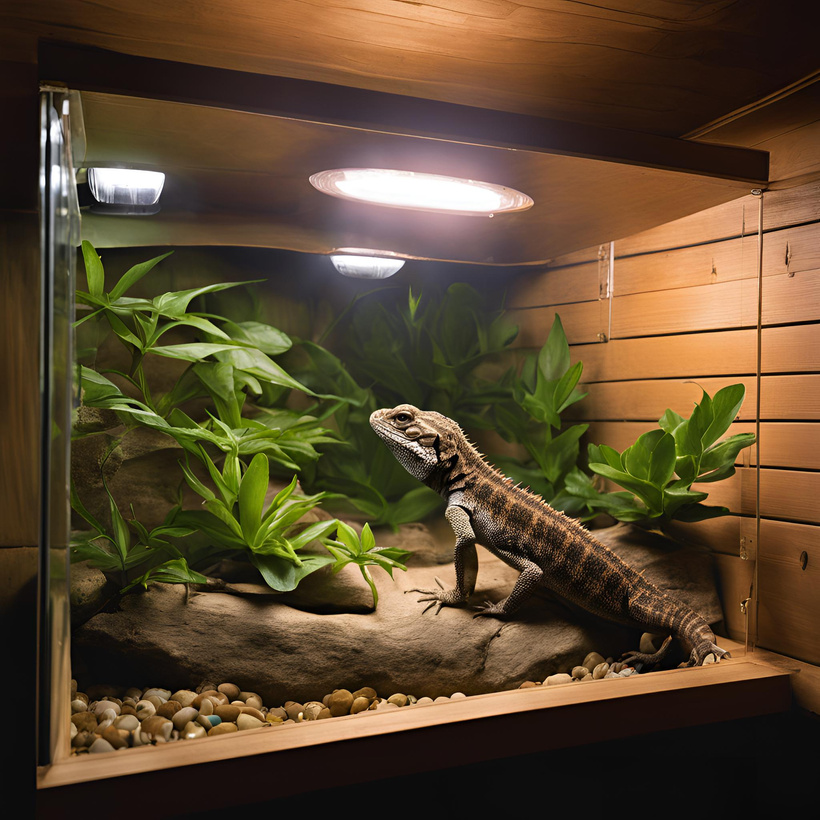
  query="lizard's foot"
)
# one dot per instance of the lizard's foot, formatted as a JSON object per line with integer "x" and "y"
{"x": 438, "y": 597}
{"x": 493, "y": 610}
{"x": 702, "y": 651}
{"x": 631, "y": 658}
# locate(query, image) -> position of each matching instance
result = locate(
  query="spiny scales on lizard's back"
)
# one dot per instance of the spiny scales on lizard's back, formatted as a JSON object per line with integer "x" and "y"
{"x": 548, "y": 548}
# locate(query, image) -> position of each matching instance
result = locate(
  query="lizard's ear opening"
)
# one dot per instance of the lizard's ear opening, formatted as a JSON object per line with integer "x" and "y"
{"x": 446, "y": 446}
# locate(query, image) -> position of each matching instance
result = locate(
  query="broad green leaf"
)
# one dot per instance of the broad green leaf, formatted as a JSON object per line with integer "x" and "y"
{"x": 268, "y": 339}
{"x": 722, "y": 455}
{"x": 725, "y": 406}
{"x": 283, "y": 575}
{"x": 191, "y": 352}
{"x": 675, "y": 498}
{"x": 700, "y": 512}
{"x": 670, "y": 421}
{"x": 662, "y": 461}
{"x": 93, "y": 270}
{"x": 637, "y": 458}
{"x": 258, "y": 364}
{"x": 133, "y": 275}
{"x": 648, "y": 493}
{"x": 313, "y": 532}
{"x": 553, "y": 358}
{"x": 566, "y": 386}
{"x": 176, "y": 303}
{"x": 252, "y": 490}
{"x": 604, "y": 454}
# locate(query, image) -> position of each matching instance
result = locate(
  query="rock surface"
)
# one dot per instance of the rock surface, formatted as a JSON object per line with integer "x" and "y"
{"x": 268, "y": 645}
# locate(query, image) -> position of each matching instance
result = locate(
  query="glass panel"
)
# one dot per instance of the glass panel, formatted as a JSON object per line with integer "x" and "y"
{"x": 59, "y": 224}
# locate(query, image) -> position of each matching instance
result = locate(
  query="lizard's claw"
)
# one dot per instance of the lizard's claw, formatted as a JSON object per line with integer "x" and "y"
{"x": 632, "y": 658}
{"x": 703, "y": 650}
{"x": 437, "y": 597}
{"x": 488, "y": 608}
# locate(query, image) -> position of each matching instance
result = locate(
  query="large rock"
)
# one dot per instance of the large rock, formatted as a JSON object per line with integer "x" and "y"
{"x": 263, "y": 643}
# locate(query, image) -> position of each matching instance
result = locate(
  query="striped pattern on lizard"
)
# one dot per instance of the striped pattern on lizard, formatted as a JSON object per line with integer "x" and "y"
{"x": 547, "y": 548}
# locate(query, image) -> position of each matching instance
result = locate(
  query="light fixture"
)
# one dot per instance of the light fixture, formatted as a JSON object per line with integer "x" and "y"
{"x": 422, "y": 192}
{"x": 125, "y": 190}
{"x": 358, "y": 263}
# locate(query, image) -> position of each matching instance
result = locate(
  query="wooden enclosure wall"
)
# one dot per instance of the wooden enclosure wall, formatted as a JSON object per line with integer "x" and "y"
{"x": 656, "y": 316}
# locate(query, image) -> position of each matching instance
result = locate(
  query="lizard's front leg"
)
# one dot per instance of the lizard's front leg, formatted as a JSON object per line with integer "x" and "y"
{"x": 528, "y": 581}
{"x": 465, "y": 560}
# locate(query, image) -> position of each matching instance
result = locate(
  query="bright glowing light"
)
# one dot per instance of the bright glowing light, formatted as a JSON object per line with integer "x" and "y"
{"x": 124, "y": 186}
{"x": 424, "y": 192}
{"x": 359, "y": 266}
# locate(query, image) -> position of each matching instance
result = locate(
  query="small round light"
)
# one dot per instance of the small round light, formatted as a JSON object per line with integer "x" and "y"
{"x": 125, "y": 186}
{"x": 362, "y": 266}
{"x": 421, "y": 192}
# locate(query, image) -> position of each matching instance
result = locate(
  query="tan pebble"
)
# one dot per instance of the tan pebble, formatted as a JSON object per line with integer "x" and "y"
{"x": 254, "y": 701}
{"x": 215, "y": 695}
{"x": 376, "y": 703}
{"x": 245, "y": 722}
{"x": 600, "y": 670}
{"x": 360, "y": 704}
{"x": 226, "y": 712}
{"x": 365, "y": 692}
{"x": 326, "y": 699}
{"x": 205, "y": 706}
{"x": 157, "y": 727}
{"x": 205, "y": 686}
{"x": 249, "y": 710}
{"x": 184, "y": 716}
{"x": 340, "y": 702}
{"x": 192, "y": 731}
{"x": 710, "y": 658}
{"x": 324, "y": 714}
{"x": 295, "y": 711}
{"x": 441, "y": 699}
{"x": 133, "y": 694}
{"x": 558, "y": 680}
{"x": 579, "y": 672}
{"x": 156, "y": 700}
{"x": 592, "y": 660}
{"x": 651, "y": 642}
{"x": 184, "y": 696}
{"x": 100, "y": 745}
{"x": 399, "y": 699}
{"x": 588, "y": 676}
{"x": 113, "y": 736}
{"x": 145, "y": 709}
{"x": 230, "y": 690}
{"x": 457, "y": 696}
{"x": 102, "y": 706}
{"x": 202, "y": 720}
{"x": 225, "y": 729}
{"x": 78, "y": 706}
{"x": 528, "y": 684}
{"x": 84, "y": 721}
{"x": 127, "y": 722}
{"x": 424, "y": 701}
{"x": 156, "y": 692}
{"x": 73, "y": 729}
{"x": 128, "y": 709}
{"x": 312, "y": 709}
{"x": 386, "y": 705}
{"x": 277, "y": 712}
{"x": 83, "y": 739}
{"x": 169, "y": 708}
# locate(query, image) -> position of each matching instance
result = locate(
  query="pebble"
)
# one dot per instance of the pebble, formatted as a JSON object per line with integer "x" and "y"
{"x": 105, "y": 719}
{"x": 245, "y": 722}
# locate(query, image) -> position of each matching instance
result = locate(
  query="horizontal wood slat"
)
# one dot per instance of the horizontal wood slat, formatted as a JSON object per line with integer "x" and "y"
{"x": 787, "y": 398}
{"x": 784, "y": 350}
{"x": 789, "y": 608}
{"x": 721, "y": 535}
{"x": 582, "y": 321}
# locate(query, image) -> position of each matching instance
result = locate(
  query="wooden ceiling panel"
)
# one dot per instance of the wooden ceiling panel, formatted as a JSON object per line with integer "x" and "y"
{"x": 657, "y": 66}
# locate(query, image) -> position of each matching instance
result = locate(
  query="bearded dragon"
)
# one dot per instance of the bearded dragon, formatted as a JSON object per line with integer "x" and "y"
{"x": 547, "y": 547}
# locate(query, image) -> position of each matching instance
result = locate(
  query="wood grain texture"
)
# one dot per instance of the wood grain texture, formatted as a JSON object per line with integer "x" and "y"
{"x": 19, "y": 375}
{"x": 664, "y": 68}
{"x": 789, "y": 604}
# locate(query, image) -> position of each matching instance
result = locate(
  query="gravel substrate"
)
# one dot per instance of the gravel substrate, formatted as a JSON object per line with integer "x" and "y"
{"x": 107, "y": 719}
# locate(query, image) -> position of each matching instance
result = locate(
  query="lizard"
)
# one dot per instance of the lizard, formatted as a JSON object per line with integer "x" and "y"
{"x": 547, "y": 547}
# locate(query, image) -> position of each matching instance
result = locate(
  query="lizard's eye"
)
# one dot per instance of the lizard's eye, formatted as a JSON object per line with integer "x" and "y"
{"x": 403, "y": 417}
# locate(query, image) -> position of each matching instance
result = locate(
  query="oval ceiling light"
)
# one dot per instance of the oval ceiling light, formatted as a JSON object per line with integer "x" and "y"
{"x": 421, "y": 192}
{"x": 125, "y": 190}
{"x": 364, "y": 264}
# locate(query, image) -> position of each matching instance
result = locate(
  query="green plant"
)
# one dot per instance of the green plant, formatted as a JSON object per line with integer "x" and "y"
{"x": 531, "y": 417}
{"x": 114, "y": 550}
{"x": 658, "y": 470}
{"x": 350, "y": 548}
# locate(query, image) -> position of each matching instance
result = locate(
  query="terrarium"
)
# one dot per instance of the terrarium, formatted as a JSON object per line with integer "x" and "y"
{"x": 239, "y": 553}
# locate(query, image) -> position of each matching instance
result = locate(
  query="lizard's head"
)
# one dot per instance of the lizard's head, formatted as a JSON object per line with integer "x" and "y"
{"x": 420, "y": 439}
